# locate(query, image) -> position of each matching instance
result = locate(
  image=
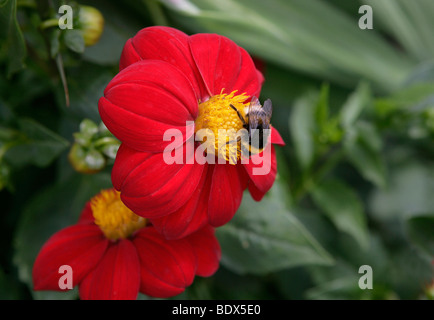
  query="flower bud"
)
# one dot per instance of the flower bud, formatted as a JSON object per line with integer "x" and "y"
{"x": 91, "y": 23}
{"x": 86, "y": 161}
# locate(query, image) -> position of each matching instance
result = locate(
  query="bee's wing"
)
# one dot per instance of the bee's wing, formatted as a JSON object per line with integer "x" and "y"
{"x": 268, "y": 108}
{"x": 253, "y": 116}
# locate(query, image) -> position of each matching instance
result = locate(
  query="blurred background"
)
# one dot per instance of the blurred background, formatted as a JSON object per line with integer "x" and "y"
{"x": 355, "y": 107}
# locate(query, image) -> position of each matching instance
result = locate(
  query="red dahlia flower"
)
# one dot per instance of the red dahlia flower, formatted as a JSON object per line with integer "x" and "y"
{"x": 169, "y": 80}
{"x": 113, "y": 254}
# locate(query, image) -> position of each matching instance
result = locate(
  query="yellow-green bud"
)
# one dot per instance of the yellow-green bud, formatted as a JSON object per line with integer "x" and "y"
{"x": 86, "y": 161}
{"x": 91, "y": 24}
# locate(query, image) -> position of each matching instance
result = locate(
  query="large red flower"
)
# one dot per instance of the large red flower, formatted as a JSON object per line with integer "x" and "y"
{"x": 114, "y": 254}
{"x": 169, "y": 80}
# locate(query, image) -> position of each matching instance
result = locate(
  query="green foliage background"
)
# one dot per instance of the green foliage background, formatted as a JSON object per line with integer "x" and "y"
{"x": 355, "y": 180}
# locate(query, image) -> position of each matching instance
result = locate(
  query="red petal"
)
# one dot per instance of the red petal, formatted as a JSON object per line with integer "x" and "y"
{"x": 191, "y": 216}
{"x": 79, "y": 246}
{"x": 127, "y": 160}
{"x": 223, "y": 64}
{"x": 167, "y": 266}
{"x": 207, "y": 250}
{"x": 144, "y": 101}
{"x": 154, "y": 189}
{"x": 256, "y": 194}
{"x": 263, "y": 182}
{"x": 225, "y": 195}
{"x": 117, "y": 276}
{"x": 248, "y": 80}
{"x": 165, "y": 44}
{"x": 129, "y": 55}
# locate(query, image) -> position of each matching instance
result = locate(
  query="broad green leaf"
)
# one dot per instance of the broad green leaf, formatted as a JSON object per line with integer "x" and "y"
{"x": 409, "y": 23}
{"x": 264, "y": 237}
{"x": 37, "y": 145}
{"x": 74, "y": 40}
{"x": 11, "y": 38}
{"x": 354, "y": 105}
{"x": 302, "y": 127}
{"x": 409, "y": 191}
{"x": 363, "y": 147}
{"x": 311, "y": 36}
{"x": 54, "y": 208}
{"x": 344, "y": 208}
{"x": 421, "y": 232}
{"x": 414, "y": 98}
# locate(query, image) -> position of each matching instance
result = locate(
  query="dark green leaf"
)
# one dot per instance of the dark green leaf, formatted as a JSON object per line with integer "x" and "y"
{"x": 354, "y": 105}
{"x": 11, "y": 38}
{"x": 264, "y": 237}
{"x": 302, "y": 127}
{"x": 38, "y": 145}
{"x": 342, "y": 205}
{"x": 409, "y": 191}
{"x": 311, "y": 36}
{"x": 421, "y": 232}
{"x": 363, "y": 147}
{"x": 74, "y": 40}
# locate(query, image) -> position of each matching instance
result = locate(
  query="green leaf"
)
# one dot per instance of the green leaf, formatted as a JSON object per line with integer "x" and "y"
{"x": 408, "y": 23}
{"x": 363, "y": 147}
{"x": 409, "y": 191}
{"x": 264, "y": 237}
{"x": 302, "y": 127}
{"x": 54, "y": 208}
{"x": 421, "y": 232}
{"x": 74, "y": 40}
{"x": 38, "y": 145}
{"x": 344, "y": 208}
{"x": 413, "y": 98}
{"x": 311, "y": 36}
{"x": 322, "y": 107}
{"x": 354, "y": 105}
{"x": 11, "y": 37}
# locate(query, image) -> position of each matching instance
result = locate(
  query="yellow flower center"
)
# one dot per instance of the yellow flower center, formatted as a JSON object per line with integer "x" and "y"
{"x": 218, "y": 117}
{"x": 115, "y": 220}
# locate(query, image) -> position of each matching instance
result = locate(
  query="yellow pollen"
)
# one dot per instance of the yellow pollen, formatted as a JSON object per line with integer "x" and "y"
{"x": 115, "y": 220}
{"x": 217, "y": 114}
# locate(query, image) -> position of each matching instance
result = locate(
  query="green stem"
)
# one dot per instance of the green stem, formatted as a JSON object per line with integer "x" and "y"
{"x": 156, "y": 12}
{"x": 49, "y": 23}
{"x": 59, "y": 63}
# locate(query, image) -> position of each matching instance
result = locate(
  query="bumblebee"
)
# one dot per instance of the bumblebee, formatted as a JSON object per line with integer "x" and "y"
{"x": 256, "y": 120}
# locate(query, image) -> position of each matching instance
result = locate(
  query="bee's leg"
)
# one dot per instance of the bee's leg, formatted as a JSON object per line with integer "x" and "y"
{"x": 231, "y": 141}
{"x": 239, "y": 115}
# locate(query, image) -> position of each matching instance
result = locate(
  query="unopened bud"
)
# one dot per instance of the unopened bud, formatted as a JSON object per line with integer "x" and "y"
{"x": 91, "y": 23}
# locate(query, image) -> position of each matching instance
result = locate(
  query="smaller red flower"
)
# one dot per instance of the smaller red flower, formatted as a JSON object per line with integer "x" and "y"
{"x": 115, "y": 254}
